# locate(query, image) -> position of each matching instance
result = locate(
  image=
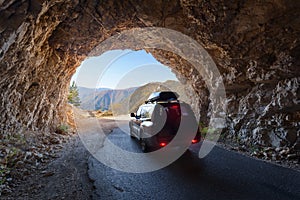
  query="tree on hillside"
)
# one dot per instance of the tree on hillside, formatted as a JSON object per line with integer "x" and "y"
{"x": 73, "y": 97}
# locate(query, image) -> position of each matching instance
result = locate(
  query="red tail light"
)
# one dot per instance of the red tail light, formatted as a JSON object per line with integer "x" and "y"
{"x": 174, "y": 106}
{"x": 162, "y": 144}
{"x": 194, "y": 141}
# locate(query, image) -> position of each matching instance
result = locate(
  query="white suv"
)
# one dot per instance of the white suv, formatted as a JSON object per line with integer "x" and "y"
{"x": 157, "y": 121}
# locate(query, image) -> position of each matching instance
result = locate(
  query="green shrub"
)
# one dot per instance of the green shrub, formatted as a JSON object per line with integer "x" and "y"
{"x": 62, "y": 129}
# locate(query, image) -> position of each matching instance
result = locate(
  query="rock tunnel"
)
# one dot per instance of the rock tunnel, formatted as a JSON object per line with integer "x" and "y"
{"x": 255, "y": 45}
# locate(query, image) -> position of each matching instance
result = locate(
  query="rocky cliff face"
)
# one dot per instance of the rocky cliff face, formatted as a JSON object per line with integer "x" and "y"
{"x": 254, "y": 43}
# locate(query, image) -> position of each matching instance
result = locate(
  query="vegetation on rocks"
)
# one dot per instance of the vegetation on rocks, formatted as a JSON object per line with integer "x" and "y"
{"x": 27, "y": 151}
{"x": 73, "y": 96}
{"x": 99, "y": 113}
{"x": 62, "y": 129}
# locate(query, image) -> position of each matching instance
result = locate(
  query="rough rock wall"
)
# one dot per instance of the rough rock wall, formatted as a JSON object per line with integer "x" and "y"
{"x": 34, "y": 75}
{"x": 254, "y": 43}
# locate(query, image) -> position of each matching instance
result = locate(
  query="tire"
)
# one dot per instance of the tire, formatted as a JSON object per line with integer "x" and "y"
{"x": 131, "y": 134}
{"x": 144, "y": 145}
{"x": 188, "y": 151}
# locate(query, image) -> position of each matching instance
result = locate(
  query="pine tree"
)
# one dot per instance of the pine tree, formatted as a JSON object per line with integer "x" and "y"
{"x": 73, "y": 97}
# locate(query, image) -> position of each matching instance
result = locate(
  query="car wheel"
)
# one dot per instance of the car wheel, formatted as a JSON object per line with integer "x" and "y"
{"x": 188, "y": 151}
{"x": 144, "y": 146}
{"x": 131, "y": 133}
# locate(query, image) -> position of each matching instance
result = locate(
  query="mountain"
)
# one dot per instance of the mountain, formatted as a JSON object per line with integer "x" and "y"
{"x": 126, "y": 100}
{"x": 141, "y": 94}
{"x": 101, "y": 98}
{"x": 84, "y": 91}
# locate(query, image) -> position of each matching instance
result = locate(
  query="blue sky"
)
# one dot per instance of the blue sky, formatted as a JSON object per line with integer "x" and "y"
{"x": 121, "y": 69}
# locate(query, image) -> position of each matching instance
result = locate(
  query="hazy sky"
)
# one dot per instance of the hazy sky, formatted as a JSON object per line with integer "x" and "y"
{"x": 121, "y": 69}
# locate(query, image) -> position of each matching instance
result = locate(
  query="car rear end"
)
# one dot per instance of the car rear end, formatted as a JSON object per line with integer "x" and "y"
{"x": 175, "y": 113}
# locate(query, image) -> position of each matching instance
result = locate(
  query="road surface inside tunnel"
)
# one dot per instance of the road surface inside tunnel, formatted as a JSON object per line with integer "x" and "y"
{"x": 222, "y": 174}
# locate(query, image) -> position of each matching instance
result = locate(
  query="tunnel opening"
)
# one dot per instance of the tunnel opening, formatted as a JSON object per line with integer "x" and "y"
{"x": 118, "y": 81}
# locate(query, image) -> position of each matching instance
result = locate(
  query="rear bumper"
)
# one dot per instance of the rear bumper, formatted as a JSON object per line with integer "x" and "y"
{"x": 157, "y": 142}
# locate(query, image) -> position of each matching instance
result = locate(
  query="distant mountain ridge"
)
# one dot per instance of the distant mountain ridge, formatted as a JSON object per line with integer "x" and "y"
{"x": 142, "y": 93}
{"x": 123, "y": 101}
{"x": 101, "y": 98}
{"x": 84, "y": 91}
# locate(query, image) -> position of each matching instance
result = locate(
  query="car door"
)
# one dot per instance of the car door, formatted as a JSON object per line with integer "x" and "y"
{"x": 145, "y": 121}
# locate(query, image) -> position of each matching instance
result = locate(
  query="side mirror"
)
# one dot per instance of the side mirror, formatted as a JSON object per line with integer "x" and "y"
{"x": 132, "y": 115}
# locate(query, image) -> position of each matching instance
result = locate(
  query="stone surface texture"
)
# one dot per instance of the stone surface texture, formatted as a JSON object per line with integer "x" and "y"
{"x": 255, "y": 45}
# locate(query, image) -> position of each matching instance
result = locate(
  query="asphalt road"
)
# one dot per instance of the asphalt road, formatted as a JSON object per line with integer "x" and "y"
{"x": 220, "y": 175}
